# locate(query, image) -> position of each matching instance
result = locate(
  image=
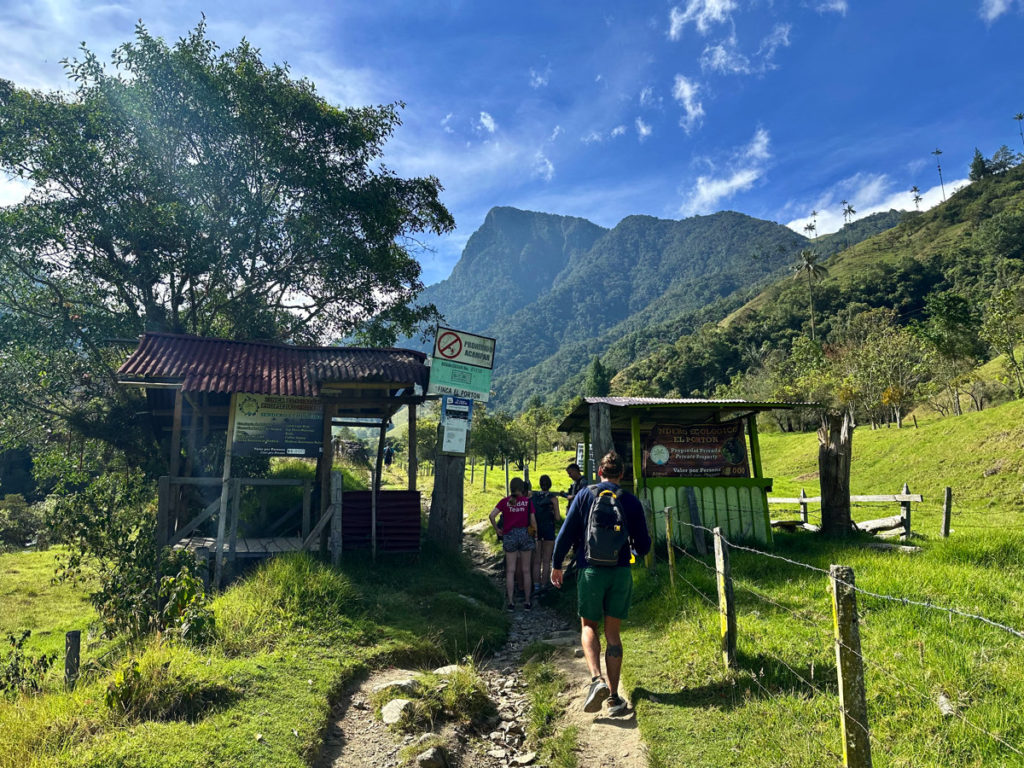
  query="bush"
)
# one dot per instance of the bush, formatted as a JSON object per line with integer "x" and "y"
{"x": 21, "y": 672}
{"x": 460, "y": 696}
{"x": 150, "y": 688}
{"x": 20, "y": 522}
{"x": 109, "y": 525}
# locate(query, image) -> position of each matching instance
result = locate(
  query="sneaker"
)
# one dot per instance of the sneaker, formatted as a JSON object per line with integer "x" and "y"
{"x": 595, "y": 698}
{"x": 528, "y": 606}
{"x": 617, "y": 706}
{"x": 510, "y": 608}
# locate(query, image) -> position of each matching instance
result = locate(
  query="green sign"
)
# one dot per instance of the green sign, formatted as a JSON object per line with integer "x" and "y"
{"x": 459, "y": 379}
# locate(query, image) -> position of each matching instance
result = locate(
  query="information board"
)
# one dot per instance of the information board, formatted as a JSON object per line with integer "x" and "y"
{"x": 456, "y": 418}
{"x": 273, "y": 425}
{"x": 460, "y": 380}
{"x": 696, "y": 450}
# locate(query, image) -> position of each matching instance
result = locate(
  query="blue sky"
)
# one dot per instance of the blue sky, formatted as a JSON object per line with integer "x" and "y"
{"x": 604, "y": 109}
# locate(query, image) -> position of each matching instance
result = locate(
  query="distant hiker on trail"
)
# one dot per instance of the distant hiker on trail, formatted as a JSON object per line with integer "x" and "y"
{"x": 517, "y": 516}
{"x": 604, "y": 522}
{"x": 578, "y": 482}
{"x": 545, "y": 506}
{"x": 389, "y": 455}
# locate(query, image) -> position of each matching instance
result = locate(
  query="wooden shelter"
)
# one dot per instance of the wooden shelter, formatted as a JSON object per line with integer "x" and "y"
{"x": 265, "y": 399}
{"x": 698, "y": 458}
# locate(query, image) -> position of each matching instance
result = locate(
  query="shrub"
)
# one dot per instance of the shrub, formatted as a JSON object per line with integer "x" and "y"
{"x": 21, "y": 672}
{"x": 152, "y": 688}
{"x": 20, "y": 522}
{"x": 460, "y": 696}
{"x": 109, "y": 525}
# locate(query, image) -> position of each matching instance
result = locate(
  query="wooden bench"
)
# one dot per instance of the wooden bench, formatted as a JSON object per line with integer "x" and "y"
{"x": 905, "y": 498}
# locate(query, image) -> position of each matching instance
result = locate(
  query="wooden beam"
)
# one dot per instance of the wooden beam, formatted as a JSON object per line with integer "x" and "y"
{"x": 413, "y": 467}
{"x": 224, "y": 493}
{"x": 634, "y": 438}
{"x": 326, "y": 458}
{"x": 375, "y": 488}
{"x": 755, "y": 446}
{"x": 176, "y": 435}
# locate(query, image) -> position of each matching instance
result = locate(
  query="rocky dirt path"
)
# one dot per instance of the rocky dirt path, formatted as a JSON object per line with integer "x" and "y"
{"x": 356, "y": 739}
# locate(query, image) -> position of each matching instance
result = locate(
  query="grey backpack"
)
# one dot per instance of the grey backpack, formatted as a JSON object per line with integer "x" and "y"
{"x": 606, "y": 528}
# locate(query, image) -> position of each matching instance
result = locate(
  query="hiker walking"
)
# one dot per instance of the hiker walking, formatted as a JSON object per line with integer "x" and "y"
{"x": 604, "y": 523}
{"x": 545, "y": 506}
{"x": 517, "y": 516}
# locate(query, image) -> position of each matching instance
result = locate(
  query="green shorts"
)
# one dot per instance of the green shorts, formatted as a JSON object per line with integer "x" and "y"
{"x": 604, "y": 592}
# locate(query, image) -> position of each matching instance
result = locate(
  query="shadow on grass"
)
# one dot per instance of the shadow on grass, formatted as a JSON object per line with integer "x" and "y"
{"x": 757, "y": 677}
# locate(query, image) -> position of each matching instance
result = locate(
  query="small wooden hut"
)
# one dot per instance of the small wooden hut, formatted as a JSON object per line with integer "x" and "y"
{"x": 699, "y": 458}
{"x": 265, "y": 399}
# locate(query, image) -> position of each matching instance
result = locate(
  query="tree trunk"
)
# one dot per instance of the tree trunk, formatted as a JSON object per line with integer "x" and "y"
{"x": 444, "y": 526}
{"x": 835, "y": 436}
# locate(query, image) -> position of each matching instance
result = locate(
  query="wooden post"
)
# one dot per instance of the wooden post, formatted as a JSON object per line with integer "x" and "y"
{"x": 72, "y": 657}
{"x": 174, "y": 468}
{"x": 905, "y": 512}
{"x": 803, "y": 505}
{"x": 506, "y": 477}
{"x": 637, "y": 453}
{"x": 225, "y": 492}
{"x": 307, "y": 493}
{"x": 472, "y": 469}
{"x": 669, "y": 548}
{"x": 337, "y": 497}
{"x": 853, "y": 707}
{"x": 413, "y": 466}
{"x": 236, "y": 508}
{"x": 485, "y": 475}
{"x": 726, "y": 601}
{"x": 444, "y": 526}
{"x": 835, "y": 438}
{"x": 601, "y": 430}
{"x": 755, "y": 446}
{"x": 947, "y": 511}
{"x": 375, "y": 481}
{"x": 163, "y": 510}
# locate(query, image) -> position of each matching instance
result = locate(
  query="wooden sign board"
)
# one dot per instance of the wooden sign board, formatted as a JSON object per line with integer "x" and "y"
{"x": 696, "y": 450}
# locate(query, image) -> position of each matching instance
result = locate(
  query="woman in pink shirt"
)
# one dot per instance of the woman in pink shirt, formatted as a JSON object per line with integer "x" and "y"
{"x": 517, "y": 515}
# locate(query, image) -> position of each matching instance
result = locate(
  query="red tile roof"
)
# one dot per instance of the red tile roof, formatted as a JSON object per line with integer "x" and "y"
{"x": 201, "y": 364}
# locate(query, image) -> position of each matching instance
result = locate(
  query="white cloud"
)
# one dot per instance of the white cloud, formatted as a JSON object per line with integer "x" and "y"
{"x": 556, "y": 133}
{"x": 643, "y": 130}
{"x": 618, "y": 130}
{"x": 540, "y": 79}
{"x": 446, "y": 121}
{"x": 592, "y": 138}
{"x": 832, "y": 6}
{"x": 647, "y": 97}
{"x": 747, "y": 165}
{"x": 487, "y": 122}
{"x": 990, "y": 10}
{"x": 702, "y": 13}
{"x": 868, "y": 193}
{"x": 777, "y": 38}
{"x": 542, "y": 166}
{"x": 725, "y": 58}
{"x": 685, "y": 92}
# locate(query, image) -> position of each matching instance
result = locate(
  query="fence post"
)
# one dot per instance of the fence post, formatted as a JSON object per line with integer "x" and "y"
{"x": 853, "y": 707}
{"x": 336, "y": 501}
{"x": 668, "y": 548}
{"x": 485, "y": 475}
{"x": 803, "y": 505}
{"x": 72, "y": 657}
{"x": 947, "y": 511}
{"x": 726, "y": 603}
{"x": 905, "y": 508}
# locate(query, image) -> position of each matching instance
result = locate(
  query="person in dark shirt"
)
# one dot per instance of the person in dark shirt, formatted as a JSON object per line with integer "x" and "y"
{"x": 603, "y": 592}
{"x": 578, "y": 481}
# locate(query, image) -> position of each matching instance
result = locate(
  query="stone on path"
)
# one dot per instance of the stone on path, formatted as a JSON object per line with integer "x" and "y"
{"x": 405, "y": 685}
{"x": 525, "y": 759}
{"x": 392, "y": 712}
{"x": 448, "y": 669}
{"x": 432, "y": 758}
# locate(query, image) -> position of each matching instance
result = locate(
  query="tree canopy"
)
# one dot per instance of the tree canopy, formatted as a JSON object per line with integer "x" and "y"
{"x": 185, "y": 189}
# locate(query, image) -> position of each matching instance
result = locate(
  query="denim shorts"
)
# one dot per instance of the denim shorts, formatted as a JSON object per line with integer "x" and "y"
{"x": 518, "y": 540}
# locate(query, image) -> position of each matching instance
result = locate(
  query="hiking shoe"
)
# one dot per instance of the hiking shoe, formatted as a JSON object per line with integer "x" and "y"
{"x": 595, "y": 698}
{"x": 528, "y": 606}
{"x": 617, "y": 706}
{"x": 510, "y": 608}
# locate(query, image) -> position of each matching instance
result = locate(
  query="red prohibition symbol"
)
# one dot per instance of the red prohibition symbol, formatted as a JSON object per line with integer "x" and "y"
{"x": 449, "y": 345}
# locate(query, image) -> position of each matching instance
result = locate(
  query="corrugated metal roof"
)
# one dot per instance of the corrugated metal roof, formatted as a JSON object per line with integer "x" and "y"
{"x": 202, "y": 364}
{"x": 627, "y": 401}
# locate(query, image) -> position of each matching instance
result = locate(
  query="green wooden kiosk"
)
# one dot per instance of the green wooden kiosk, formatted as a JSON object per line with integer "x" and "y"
{"x": 699, "y": 458}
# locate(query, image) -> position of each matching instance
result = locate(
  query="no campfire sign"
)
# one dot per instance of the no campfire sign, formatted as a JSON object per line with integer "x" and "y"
{"x": 461, "y": 347}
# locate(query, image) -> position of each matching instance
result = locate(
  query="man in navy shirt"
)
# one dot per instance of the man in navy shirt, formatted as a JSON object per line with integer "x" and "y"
{"x": 603, "y": 591}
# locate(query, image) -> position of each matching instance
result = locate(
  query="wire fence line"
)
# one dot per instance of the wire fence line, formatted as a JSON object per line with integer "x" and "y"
{"x": 721, "y": 571}
{"x": 891, "y": 598}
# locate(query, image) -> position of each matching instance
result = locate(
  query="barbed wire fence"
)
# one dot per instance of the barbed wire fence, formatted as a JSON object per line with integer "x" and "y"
{"x": 844, "y": 635}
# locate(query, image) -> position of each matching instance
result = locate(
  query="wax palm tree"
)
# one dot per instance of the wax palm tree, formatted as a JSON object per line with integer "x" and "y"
{"x": 938, "y": 152}
{"x": 809, "y": 267}
{"x": 917, "y": 197}
{"x": 1019, "y": 117}
{"x": 848, "y": 212}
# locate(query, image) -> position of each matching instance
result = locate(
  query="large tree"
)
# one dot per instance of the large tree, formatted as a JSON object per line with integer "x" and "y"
{"x": 185, "y": 189}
